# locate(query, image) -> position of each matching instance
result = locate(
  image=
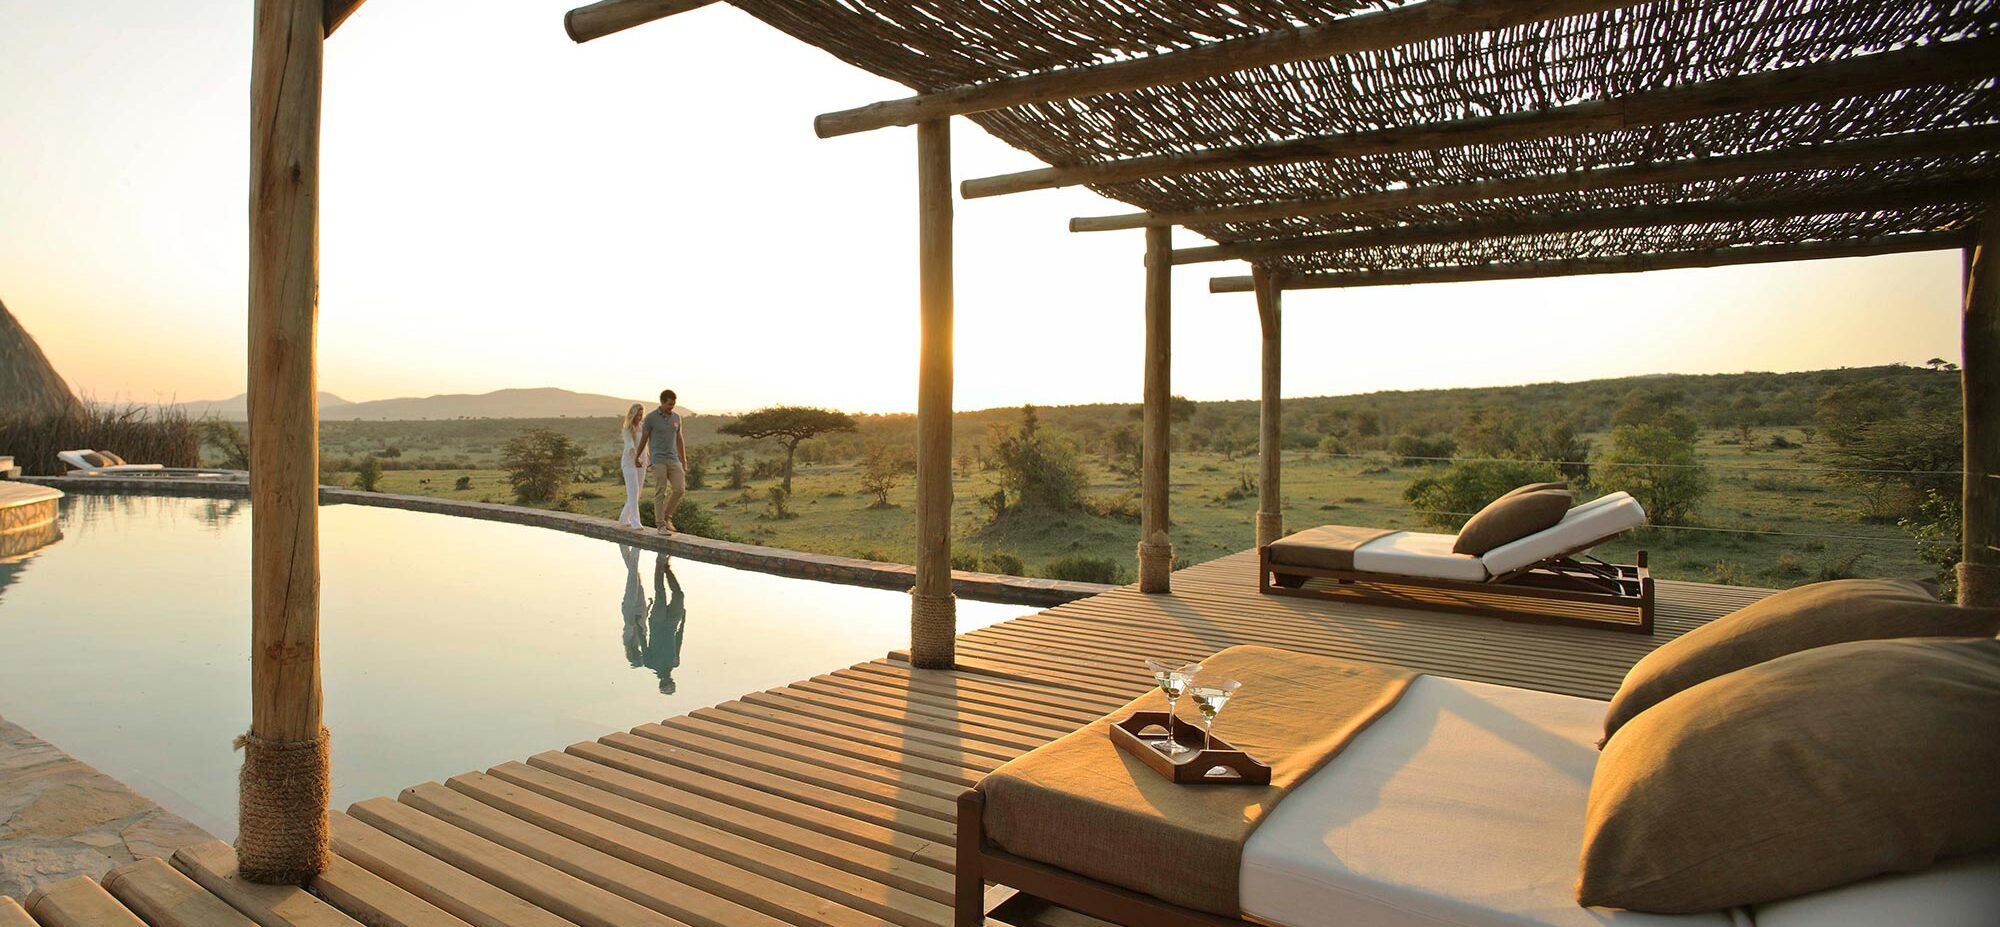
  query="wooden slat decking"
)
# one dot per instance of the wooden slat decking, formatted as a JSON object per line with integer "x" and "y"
{"x": 829, "y": 801}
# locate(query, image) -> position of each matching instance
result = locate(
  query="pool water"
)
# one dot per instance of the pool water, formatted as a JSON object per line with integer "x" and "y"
{"x": 448, "y": 644}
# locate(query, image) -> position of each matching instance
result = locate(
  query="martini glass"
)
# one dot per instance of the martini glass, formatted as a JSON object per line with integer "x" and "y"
{"x": 1173, "y": 678}
{"x": 1209, "y": 696}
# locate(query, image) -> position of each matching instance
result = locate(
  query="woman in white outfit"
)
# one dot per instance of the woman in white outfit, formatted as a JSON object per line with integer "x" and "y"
{"x": 635, "y": 469}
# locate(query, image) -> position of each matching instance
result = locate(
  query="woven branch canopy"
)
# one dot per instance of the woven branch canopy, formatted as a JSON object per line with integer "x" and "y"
{"x": 1532, "y": 141}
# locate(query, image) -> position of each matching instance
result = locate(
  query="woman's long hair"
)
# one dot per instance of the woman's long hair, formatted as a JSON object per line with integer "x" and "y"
{"x": 630, "y": 427}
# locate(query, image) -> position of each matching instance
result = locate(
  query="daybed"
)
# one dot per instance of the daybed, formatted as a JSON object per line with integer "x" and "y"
{"x": 1469, "y": 804}
{"x": 1547, "y": 576}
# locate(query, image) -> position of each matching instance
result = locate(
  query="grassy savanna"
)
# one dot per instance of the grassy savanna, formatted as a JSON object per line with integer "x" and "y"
{"x": 1756, "y": 488}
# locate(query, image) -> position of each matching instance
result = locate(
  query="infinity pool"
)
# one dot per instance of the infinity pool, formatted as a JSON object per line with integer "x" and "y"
{"x": 448, "y": 644}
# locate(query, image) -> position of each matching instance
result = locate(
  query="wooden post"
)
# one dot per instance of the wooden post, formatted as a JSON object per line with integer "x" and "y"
{"x": 1979, "y": 381}
{"x": 1156, "y": 551}
{"x": 1270, "y": 514}
{"x": 933, "y": 611}
{"x": 285, "y": 784}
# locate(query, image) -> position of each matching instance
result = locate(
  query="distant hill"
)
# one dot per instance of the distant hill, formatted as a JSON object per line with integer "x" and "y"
{"x": 544, "y": 402}
{"x": 29, "y": 385}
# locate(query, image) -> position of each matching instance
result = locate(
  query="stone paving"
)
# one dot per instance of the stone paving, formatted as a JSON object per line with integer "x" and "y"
{"x": 60, "y": 817}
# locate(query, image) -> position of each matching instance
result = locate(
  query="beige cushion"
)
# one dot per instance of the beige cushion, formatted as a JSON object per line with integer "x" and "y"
{"x": 1799, "y": 774}
{"x": 95, "y": 459}
{"x": 111, "y": 459}
{"x": 1511, "y": 518}
{"x": 1788, "y": 622}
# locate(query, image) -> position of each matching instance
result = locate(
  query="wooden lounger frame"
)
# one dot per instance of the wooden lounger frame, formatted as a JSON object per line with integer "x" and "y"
{"x": 1572, "y": 576}
{"x": 980, "y": 863}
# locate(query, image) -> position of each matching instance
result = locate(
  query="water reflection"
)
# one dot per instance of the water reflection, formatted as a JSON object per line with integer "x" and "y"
{"x": 665, "y": 626}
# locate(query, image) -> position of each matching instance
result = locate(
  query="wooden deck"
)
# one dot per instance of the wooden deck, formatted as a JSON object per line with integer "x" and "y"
{"x": 828, "y": 801}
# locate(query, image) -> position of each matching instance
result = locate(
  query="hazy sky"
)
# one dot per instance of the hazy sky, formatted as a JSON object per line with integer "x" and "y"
{"x": 501, "y": 207}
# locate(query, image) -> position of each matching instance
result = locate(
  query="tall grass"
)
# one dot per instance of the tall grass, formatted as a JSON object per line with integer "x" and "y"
{"x": 140, "y": 434}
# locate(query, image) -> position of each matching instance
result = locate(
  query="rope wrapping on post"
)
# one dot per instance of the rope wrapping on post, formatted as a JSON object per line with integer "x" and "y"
{"x": 1979, "y": 585}
{"x": 1270, "y": 527}
{"x": 933, "y": 631}
{"x": 285, "y": 788}
{"x": 1156, "y": 564}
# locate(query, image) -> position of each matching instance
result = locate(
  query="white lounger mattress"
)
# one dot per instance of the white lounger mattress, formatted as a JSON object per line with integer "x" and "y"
{"x": 1463, "y": 806}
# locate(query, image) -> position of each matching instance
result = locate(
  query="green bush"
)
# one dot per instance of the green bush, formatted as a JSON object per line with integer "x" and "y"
{"x": 689, "y": 518}
{"x": 1081, "y": 569}
{"x": 539, "y": 463}
{"x": 1005, "y": 565}
{"x": 464, "y": 483}
{"x": 1422, "y": 449}
{"x": 1446, "y": 499}
{"x": 1658, "y": 466}
{"x": 1039, "y": 470}
{"x": 1938, "y": 528}
{"x": 368, "y": 475}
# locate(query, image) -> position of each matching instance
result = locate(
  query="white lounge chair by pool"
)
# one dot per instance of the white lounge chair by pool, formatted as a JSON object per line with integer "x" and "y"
{"x": 91, "y": 463}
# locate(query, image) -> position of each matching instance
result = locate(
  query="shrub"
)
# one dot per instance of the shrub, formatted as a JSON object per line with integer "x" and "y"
{"x": 1937, "y": 526}
{"x": 882, "y": 468}
{"x": 1123, "y": 507}
{"x": 539, "y": 463}
{"x": 689, "y": 518}
{"x": 232, "y": 447}
{"x": 1333, "y": 446}
{"x": 140, "y": 434}
{"x": 777, "y": 510}
{"x": 1039, "y": 470}
{"x": 736, "y": 471}
{"x": 1447, "y": 499}
{"x": 464, "y": 483}
{"x": 967, "y": 560}
{"x": 696, "y": 467}
{"x": 1004, "y": 564}
{"x": 368, "y": 475}
{"x": 1081, "y": 569}
{"x": 1422, "y": 449}
{"x": 1658, "y": 466}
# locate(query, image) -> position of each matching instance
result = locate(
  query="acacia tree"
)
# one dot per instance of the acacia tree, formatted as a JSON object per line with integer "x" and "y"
{"x": 790, "y": 425}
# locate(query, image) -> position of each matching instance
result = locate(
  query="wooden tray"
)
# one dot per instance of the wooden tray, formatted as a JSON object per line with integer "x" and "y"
{"x": 1216, "y": 764}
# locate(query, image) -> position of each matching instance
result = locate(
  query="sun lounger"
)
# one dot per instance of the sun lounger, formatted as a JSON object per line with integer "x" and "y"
{"x": 1547, "y": 576}
{"x": 80, "y": 464}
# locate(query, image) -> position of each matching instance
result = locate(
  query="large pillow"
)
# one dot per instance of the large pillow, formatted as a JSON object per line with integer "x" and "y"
{"x": 1788, "y": 622}
{"x": 1536, "y": 487}
{"x": 111, "y": 459}
{"x": 94, "y": 459}
{"x": 1511, "y": 518}
{"x": 1799, "y": 774}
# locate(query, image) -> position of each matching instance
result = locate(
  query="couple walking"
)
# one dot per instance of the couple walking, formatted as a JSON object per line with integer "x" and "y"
{"x": 654, "y": 435}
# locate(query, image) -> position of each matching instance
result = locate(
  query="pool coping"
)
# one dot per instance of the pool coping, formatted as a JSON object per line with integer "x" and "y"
{"x": 852, "y": 571}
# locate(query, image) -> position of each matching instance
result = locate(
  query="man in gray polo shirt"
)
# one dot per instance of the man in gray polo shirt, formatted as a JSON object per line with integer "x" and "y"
{"x": 661, "y": 430}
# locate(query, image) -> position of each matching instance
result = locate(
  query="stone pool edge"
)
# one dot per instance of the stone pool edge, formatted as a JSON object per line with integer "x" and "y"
{"x": 985, "y": 587}
{"x": 61, "y": 817}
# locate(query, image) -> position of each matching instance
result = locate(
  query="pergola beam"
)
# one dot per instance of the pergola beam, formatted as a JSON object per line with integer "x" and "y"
{"x": 1589, "y": 221}
{"x": 337, "y": 11}
{"x": 1807, "y": 83}
{"x": 608, "y": 16}
{"x": 1946, "y": 143}
{"x": 1624, "y": 264}
{"x": 1418, "y": 22}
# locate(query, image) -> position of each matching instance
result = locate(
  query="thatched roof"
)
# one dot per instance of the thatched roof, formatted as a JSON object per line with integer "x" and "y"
{"x": 1781, "y": 122}
{"x": 29, "y": 386}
